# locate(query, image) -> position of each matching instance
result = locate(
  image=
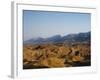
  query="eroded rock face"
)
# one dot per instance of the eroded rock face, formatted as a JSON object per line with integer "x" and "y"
{"x": 51, "y": 55}
{"x": 77, "y": 58}
{"x": 53, "y": 62}
{"x": 27, "y": 54}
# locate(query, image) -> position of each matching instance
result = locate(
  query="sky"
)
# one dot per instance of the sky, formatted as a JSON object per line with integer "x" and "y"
{"x": 46, "y": 24}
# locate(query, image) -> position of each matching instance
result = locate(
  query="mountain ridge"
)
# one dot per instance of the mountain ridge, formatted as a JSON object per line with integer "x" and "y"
{"x": 79, "y": 37}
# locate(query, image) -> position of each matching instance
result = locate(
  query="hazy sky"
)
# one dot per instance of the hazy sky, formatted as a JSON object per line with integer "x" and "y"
{"x": 46, "y": 24}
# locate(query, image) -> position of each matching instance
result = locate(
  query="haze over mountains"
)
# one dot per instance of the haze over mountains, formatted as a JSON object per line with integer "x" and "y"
{"x": 79, "y": 37}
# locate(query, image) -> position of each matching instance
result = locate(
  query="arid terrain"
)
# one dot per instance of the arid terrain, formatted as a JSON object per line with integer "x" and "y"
{"x": 56, "y": 55}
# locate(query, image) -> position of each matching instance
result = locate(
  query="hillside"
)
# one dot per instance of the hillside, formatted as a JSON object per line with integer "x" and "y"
{"x": 72, "y": 50}
{"x": 80, "y": 37}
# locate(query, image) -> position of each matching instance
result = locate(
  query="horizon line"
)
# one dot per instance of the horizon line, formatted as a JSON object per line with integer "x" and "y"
{"x": 59, "y": 35}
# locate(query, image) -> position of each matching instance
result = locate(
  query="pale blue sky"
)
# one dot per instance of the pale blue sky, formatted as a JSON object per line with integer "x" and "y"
{"x": 46, "y": 24}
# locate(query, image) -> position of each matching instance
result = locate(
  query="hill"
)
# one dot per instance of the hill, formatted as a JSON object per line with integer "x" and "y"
{"x": 80, "y": 37}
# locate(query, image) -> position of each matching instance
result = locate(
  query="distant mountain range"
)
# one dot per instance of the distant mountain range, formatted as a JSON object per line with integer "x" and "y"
{"x": 80, "y": 37}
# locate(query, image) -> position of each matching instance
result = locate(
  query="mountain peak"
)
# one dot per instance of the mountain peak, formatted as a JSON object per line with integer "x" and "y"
{"x": 79, "y": 37}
